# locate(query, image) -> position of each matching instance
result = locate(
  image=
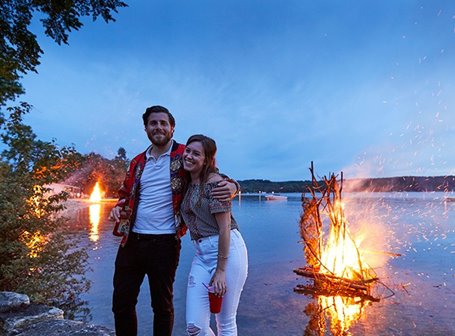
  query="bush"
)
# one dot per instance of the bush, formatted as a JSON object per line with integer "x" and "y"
{"x": 36, "y": 256}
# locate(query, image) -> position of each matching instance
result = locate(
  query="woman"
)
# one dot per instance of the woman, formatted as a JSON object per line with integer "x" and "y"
{"x": 221, "y": 257}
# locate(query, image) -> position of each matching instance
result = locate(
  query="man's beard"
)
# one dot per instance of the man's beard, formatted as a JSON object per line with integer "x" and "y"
{"x": 162, "y": 141}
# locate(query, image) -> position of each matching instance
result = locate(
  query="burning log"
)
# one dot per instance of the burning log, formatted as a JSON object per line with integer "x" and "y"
{"x": 310, "y": 273}
{"x": 309, "y": 290}
{"x": 335, "y": 262}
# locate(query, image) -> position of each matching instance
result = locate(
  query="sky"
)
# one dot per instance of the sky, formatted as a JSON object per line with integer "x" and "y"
{"x": 364, "y": 87}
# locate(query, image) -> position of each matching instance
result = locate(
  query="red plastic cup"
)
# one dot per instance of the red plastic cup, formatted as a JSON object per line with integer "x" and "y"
{"x": 215, "y": 302}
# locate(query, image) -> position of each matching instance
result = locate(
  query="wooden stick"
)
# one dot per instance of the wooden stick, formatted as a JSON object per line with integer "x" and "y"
{"x": 302, "y": 289}
{"x": 309, "y": 273}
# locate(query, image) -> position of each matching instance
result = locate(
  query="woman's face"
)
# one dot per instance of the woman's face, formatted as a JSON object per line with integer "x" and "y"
{"x": 194, "y": 157}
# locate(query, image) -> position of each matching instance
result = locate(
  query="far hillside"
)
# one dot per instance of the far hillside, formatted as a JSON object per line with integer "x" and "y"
{"x": 385, "y": 184}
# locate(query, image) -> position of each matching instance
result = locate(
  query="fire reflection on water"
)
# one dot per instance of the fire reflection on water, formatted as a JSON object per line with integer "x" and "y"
{"x": 343, "y": 311}
{"x": 95, "y": 214}
{"x": 338, "y": 311}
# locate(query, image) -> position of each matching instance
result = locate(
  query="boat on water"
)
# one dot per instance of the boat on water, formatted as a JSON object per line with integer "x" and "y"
{"x": 275, "y": 197}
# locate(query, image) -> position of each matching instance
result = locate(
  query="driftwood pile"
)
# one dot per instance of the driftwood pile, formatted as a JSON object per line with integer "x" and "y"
{"x": 323, "y": 222}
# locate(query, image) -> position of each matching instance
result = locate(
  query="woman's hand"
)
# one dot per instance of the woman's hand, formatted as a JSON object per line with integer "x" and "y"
{"x": 218, "y": 282}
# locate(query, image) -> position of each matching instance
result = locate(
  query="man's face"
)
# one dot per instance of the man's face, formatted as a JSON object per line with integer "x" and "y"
{"x": 158, "y": 129}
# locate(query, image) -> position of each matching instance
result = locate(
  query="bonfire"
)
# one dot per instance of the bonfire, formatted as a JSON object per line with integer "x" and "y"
{"x": 335, "y": 263}
{"x": 97, "y": 194}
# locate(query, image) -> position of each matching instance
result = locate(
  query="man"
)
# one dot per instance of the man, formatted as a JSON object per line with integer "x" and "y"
{"x": 148, "y": 212}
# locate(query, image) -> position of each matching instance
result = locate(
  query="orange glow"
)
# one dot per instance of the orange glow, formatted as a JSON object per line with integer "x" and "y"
{"x": 343, "y": 279}
{"x": 95, "y": 214}
{"x": 34, "y": 241}
{"x": 342, "y": 312}
{"x": 37, "y": 201}
{"x": 341, "y": 255}
{"x": 96, "y": 194}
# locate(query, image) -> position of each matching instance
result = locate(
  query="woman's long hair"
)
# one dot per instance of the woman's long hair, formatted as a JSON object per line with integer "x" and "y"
{"x": 209, "y": 146}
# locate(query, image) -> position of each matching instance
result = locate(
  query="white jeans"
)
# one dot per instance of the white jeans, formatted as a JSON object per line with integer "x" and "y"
{"x": 202, "y": 270}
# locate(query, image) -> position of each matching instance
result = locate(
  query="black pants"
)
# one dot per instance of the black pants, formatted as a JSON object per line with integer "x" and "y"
{"x": 158, "y": 257}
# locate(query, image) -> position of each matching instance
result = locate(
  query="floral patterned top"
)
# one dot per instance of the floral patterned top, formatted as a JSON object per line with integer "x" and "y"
{"x": 198, "y": 212}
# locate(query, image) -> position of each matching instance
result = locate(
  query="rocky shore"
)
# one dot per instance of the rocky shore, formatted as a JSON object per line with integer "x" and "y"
{"x": 20, "y": 317}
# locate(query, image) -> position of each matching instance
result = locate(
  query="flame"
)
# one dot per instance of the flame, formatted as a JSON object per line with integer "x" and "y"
{"x": 96, "y": 194}
{"x": 94, "y": 214}
{"x": 342, "y": 278}
{"x": 341, "y": 255}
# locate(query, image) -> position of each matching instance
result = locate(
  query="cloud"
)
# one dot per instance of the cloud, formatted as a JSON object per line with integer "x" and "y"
{"x": 365, "y": 90}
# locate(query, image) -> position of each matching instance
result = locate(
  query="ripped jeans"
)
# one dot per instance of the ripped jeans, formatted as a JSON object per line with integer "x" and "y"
{"x": 202, "y": 270}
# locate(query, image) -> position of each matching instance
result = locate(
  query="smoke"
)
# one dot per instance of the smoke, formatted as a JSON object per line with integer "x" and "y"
{"x": 367, "y": 218}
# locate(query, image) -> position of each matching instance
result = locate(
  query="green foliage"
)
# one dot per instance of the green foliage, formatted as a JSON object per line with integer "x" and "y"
{"x": 36, "y": 257}
{"x": 19, "y": 49}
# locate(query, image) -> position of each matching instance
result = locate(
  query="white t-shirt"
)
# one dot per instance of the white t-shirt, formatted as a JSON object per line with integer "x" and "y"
{"x": 155, "y": 214}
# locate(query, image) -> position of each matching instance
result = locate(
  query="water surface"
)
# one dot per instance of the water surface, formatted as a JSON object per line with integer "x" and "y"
{"x": 419, "y": 226}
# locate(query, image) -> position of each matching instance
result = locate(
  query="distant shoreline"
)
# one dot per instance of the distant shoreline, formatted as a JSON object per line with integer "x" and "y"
{"x": 382, "y": 184}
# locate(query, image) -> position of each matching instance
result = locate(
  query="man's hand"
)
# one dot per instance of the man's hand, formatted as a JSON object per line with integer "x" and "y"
{"x": 224, "y": 191}
{"x": 115, "y": 214}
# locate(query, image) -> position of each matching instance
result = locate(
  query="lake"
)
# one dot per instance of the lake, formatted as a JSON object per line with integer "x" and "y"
{"x": 418, "y": 226}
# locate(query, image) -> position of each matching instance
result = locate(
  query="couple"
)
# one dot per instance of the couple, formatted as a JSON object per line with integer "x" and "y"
{"x": 168, "y": 187}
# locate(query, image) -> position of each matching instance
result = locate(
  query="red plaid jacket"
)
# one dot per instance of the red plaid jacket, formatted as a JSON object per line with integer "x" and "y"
{"x": 129, "y": 192}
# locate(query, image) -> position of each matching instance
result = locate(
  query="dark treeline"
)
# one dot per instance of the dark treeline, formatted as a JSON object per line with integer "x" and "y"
{"x": 386, "y": 184}
{"x": 402, "y": 183}
{"x": 254, "y": 186}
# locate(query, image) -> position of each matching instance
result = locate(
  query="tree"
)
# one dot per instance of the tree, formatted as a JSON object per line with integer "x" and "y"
{"x": 35, "y": 257}
{"x": 121, "y": 155}
{"x": 19, "y": 49}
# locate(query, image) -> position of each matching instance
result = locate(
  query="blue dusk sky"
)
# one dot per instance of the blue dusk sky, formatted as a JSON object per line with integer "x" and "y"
{"x": 364, "y": 87}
